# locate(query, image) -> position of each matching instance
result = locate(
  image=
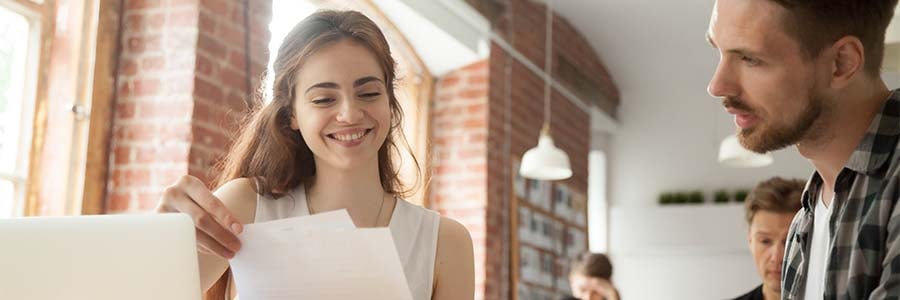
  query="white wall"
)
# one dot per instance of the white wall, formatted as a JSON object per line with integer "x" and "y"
{"x": 681, "y": 252}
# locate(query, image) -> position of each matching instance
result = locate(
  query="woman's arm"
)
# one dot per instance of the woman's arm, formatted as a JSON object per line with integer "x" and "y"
{"x": 454, "y": 264}
{"x": 234, "y": 201}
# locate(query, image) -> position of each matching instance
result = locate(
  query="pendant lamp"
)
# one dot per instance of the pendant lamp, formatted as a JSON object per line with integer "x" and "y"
{"x": 733, "y": 154}
{"x": 546, "y": 161}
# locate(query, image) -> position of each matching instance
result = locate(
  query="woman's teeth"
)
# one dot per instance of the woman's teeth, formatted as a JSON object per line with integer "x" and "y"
{"x": 349, "y": 137}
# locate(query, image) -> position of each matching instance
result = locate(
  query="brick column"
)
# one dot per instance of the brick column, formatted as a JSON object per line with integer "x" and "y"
{"x": 459, "y": 119}
{"x": 486, "y": 115}
{"x": 182, "y": 85}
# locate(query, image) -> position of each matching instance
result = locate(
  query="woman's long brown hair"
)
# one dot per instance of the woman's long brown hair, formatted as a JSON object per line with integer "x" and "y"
{"x": 268, "y": 150}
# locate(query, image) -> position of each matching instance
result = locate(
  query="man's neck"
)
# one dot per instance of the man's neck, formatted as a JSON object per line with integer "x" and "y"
{"x": 845, "y": 126}
{"x": 771, "y": 294}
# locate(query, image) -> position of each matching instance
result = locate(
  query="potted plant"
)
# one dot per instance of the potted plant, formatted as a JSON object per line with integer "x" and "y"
{"x": 740, "y": 195}
{"x": 681, "y": 198}
{"x": 721, "y": 196}
{"x": 665, "y": 198}
{"x": 695, "y": 197}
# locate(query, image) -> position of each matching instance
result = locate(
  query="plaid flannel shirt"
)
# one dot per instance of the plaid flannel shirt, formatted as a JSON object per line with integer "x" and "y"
{"x": 864, "y": 258}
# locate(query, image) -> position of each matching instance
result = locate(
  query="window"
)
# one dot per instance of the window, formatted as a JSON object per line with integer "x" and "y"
{"x": 598, "y": 206}
{"x": 19, "y": 35}
{"x": 285, "y": 15}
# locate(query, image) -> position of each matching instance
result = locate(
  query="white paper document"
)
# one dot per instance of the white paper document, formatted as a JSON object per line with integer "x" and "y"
{"x": 323, "y": 256}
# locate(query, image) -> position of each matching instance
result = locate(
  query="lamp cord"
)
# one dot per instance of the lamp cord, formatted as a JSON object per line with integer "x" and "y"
{"x": 247, "y": 57}
{"x": 548, "y": 60}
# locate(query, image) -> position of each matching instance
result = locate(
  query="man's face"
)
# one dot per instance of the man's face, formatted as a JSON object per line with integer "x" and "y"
{"x": 764, "y": 78}
{"x": 767, "y": 237}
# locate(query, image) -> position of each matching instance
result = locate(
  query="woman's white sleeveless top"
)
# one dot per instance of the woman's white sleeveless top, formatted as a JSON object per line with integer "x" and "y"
{"x": 414, "y": 229}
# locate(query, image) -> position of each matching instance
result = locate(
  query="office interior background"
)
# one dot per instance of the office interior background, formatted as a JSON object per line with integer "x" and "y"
{"x": 104, "y": 103}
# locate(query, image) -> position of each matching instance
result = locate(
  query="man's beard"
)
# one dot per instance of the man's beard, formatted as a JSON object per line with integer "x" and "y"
{"x": 766, "y": 137}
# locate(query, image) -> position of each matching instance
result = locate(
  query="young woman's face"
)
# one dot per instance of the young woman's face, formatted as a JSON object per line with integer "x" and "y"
{"x": 341, "y": 106}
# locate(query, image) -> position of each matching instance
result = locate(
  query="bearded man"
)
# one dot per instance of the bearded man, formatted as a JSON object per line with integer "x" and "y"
{"x": 807, "y": 73}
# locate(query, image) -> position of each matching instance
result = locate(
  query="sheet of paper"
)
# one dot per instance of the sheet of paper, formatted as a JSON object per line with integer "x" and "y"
{"x": 318, "y": 257}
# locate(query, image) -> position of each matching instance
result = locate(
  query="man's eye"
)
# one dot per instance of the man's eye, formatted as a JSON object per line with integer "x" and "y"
{"x": 750, "y": 61}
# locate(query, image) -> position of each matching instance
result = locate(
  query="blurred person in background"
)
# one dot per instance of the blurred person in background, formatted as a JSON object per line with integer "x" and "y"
{"x": 770, "y": 207}
{"x": 591, "y": 278}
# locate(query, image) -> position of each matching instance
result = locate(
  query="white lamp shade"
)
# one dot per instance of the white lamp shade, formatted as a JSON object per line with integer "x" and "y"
{"x": 545, "y": 162}
{"x": 733, "y": 154}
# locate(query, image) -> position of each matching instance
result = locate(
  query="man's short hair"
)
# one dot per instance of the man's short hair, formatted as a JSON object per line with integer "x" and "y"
{"x": 776, "y": 194}
{"x": 816, "y": 24}
{"x": 595, "y": 265}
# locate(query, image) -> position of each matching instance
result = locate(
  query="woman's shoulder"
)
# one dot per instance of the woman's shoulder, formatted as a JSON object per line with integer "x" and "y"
{"x": 449, "y": 232}
{"x": 453, "y": 234}
{"x": 454, "y": 260}
{"x": 239, "y": 196}
{"x": 408, "y": 207}
{"x": 448, "y": 229}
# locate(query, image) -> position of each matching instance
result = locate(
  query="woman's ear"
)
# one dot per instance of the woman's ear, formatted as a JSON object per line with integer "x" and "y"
{"x": 294, "y": 124}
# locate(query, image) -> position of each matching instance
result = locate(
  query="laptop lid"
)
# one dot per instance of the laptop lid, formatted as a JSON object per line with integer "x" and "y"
{"x": 149, "y": 256}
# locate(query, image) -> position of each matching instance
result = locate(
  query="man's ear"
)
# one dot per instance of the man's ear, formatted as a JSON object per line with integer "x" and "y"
{"x": 848, "y": 60}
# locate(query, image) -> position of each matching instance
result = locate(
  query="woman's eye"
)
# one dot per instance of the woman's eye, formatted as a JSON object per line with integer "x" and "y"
{"x": 370, "y": 95}
{"x": 321, "y": 101}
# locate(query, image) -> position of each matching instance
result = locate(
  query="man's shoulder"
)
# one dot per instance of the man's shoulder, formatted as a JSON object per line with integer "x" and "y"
{"x": 792, "y": 256}
{"x": 795, "y": 223}
{"x": 755, "y": 294}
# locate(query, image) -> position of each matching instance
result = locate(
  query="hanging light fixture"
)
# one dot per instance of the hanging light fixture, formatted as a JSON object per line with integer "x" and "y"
{"x": 733, "y": 154}
{"x": 546, "y": 161}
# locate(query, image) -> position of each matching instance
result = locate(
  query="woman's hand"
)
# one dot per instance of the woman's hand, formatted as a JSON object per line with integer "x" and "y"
{"x": 604, "y": 289}
{"x": 216, "y": 226}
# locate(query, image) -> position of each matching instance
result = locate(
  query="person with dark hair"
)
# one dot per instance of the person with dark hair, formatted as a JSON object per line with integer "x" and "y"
{"x": 326, "y": 141}
{"x": 591, "y": 278}
{"x": 807, "y": 73}
{"x": 770, "y": 207}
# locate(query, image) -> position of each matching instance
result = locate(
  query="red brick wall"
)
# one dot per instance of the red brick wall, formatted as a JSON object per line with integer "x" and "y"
{"x": 479, "y": 128}
{"x": 459, "y": 151}
{"x": 528, "y": 34}
{"x": 181, "y": 86}
{"x": 220, "y": 81}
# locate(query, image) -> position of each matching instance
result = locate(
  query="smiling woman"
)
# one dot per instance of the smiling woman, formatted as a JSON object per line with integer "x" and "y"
{"x": 414, "y": 82}
{"x": 327, "y": 140}
{"x": 357, "y": 103}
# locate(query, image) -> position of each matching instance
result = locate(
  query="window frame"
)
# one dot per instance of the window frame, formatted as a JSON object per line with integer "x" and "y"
{"x": 34, "y": 13}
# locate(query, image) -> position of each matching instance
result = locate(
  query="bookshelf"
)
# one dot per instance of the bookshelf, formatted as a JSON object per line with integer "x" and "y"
{"x": 549, "y": 229}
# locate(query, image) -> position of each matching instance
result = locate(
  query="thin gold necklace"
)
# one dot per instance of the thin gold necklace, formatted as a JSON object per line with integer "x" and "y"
{"x": 377, "y": 216}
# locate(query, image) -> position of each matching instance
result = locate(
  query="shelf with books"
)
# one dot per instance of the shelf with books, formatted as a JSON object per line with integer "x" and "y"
{"x": 549, "y": 230}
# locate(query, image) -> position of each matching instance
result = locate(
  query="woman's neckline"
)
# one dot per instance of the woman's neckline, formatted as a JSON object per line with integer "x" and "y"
{"x": 301, "y": 190}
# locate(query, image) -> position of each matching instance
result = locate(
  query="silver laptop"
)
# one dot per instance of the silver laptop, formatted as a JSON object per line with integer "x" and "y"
{"x": 99, "y": 257}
